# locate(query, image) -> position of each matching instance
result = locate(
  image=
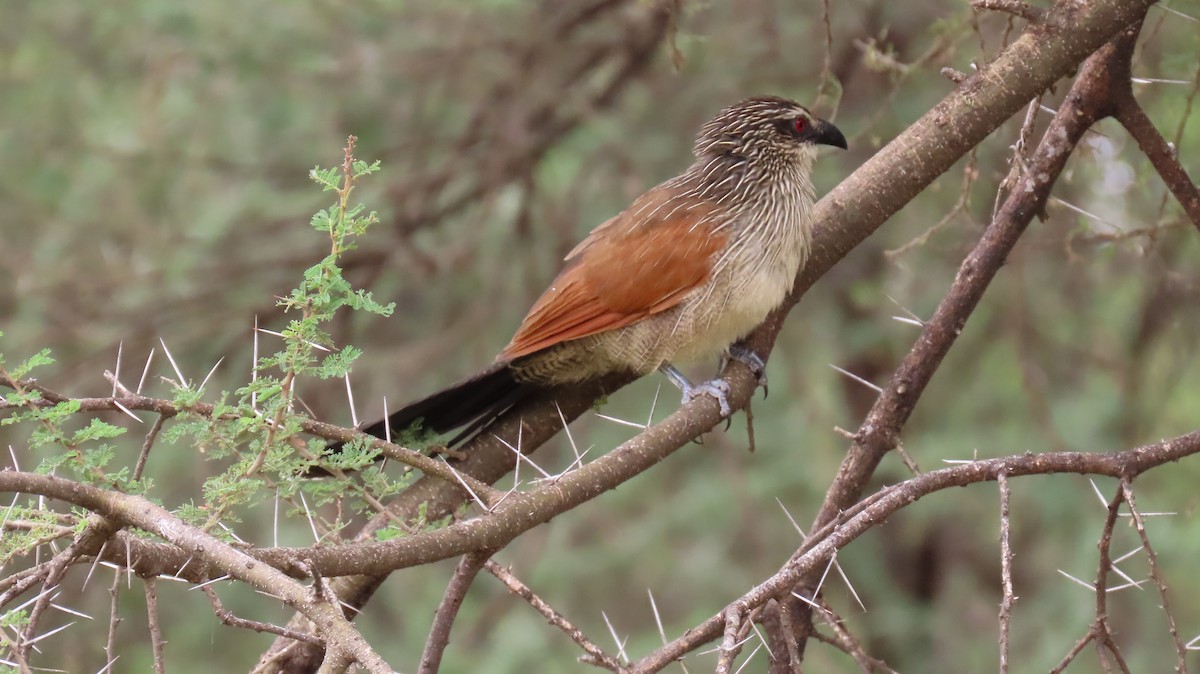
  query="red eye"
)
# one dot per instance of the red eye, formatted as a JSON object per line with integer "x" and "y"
{"x": 799, "y": 125}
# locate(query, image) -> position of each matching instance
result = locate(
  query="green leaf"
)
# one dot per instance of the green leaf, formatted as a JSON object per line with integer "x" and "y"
{"x": 35, "y": 361}
{"x": 329, "y": 179}
{"x": 338, "y": 364}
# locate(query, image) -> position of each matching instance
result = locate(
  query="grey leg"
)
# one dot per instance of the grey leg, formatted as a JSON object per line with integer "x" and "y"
{"x": 717, "y": 388}
{"x": 746, "y": 356}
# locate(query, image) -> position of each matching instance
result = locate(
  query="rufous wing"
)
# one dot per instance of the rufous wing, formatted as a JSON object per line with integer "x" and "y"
{"x": 640, "y": 263}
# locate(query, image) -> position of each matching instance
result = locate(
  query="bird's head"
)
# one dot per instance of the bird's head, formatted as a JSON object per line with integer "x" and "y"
{"x": 765, "y": 128}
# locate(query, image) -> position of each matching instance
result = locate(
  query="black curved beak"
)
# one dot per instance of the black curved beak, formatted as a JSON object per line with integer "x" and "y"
{"x": 825, "y": 133}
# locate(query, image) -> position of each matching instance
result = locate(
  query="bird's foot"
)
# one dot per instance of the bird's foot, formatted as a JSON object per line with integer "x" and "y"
{"x": 746, "y": 356}
{"x": 717, "y": 388}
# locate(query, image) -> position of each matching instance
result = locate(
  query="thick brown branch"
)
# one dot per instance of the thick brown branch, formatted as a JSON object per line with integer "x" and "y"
{"x": 819, "y": 547}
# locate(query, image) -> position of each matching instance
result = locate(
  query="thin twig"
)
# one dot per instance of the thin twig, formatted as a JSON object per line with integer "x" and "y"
{"x": 1103, "y": 640}
{"x": 443, "y": 620}
{"x": 844, "y": 641}
{"x": 421, "y": 462}
{"x": 228, "y": 618}
{"x": 731, "y": 645}
{"x": 97, "y": 530}
{"x": 1074, "y": 652}
{"x": 156, "y": 638}
{"x": 1166, "y": 162}
{"x": 595, "y": 654}
{"x": 114, "y": 618}
{"x": 1156, "y": 574}
{"x": 1006, "y": 556}
{"x": 151, "y": 436}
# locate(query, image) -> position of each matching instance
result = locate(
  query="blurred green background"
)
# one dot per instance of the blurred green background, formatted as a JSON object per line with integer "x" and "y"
{"x": 154, "y": 186}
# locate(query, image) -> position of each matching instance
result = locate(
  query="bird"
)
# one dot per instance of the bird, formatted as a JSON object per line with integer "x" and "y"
{"x": 686, "y": 271}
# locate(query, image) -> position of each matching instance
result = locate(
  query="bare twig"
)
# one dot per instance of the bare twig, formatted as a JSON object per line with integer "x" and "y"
{"x": 156, "y": 637}
{"x": 595, "y": 655}
{"x": 1156, "y": 574}
{"x": 456, "y": 590}
{"x": 731, "y": 645}
{"x": 1074, "y": 652}
{"x": 846, "y": 642}
{"x": 114, "y": 618}
{"x": 151, "y": 436}
{"x": 228, "y": 618}
{"x": 1006, "y": 556}
{"x": 1103, "y": 637}
{"x": 1165, "y": 161}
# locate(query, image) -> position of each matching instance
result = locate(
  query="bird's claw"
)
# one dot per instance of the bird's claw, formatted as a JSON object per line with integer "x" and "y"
{"x": 717, "y": 388}
{"x": 746, "y": 356}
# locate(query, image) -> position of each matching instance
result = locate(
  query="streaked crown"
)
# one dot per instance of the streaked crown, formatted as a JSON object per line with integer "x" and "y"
{"x": 764, "y": 125}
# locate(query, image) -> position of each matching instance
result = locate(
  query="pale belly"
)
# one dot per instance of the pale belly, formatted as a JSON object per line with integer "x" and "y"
{"x": 732, "y": 313}
{"x": 700, "y": 328}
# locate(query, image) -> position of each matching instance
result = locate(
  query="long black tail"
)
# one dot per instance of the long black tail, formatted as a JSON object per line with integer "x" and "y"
{"x": 474, "y": 403}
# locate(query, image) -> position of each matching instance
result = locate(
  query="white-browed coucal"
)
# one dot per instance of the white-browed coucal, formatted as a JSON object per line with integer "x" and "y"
{"x": 691, "y": 267}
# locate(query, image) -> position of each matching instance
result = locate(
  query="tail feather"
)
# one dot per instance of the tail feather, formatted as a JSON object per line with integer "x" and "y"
{"x": 474, "y": 402}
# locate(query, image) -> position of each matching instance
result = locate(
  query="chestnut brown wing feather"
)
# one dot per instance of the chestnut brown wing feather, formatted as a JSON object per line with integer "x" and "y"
{"x": 640, "y": 263}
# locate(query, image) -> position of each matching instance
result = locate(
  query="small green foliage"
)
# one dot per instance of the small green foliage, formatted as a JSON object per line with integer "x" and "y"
{"x": 251, "y": 431}
{"x": 353, "y": 455}
{"x": 38, "y": 524}
{"x": 96, "y": 430}
{"x": 388, "y": 533}
{"x": 338, "y": 364}
{"x": 49, "y": 416}
{"x": 192, "y": 514}
{"x": 35, "y": 361}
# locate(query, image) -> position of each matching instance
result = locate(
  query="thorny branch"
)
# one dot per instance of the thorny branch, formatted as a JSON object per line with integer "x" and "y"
{"x": 166, "y": 409}
{"x": 1155, "y": 574}
{"x": 880, "y": 430}
{"x": 340, "y": 637}
{"x": 594, "y": 654}
{"x": 1101, "y": 635}
{"x": 861, "y": 517}
{"x": 875, "y": 440}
